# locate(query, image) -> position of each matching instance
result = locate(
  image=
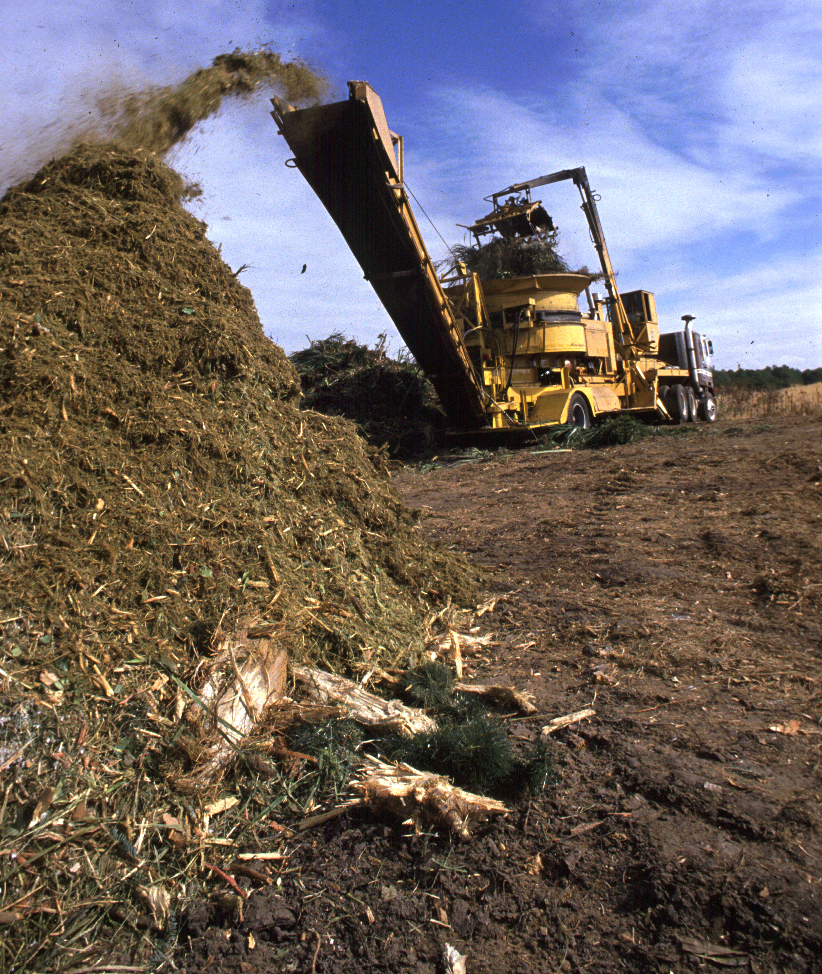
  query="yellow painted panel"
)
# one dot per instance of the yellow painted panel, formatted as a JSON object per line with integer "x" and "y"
{"x": 604, "y": 398}
{"x": 552, "y": 340}
{"x": 549, "y": 292}
{"x": 643, "y": 399}
{"x": 569, "y": 283}
{"x": 648, "y": 337}
{"x": 521, "y": 377}
{"x": 550, "y": 406}
{"x": 596, "y": 341}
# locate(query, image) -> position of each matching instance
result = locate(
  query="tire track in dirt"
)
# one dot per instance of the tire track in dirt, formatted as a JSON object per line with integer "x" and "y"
{"x": 673, "y": 582}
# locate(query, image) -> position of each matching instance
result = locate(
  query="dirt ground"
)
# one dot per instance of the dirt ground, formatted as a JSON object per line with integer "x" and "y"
{"x": 672, "y": 585}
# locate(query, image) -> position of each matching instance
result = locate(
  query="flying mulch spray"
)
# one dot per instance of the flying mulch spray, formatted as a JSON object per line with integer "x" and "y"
{"x": 157, "y": 119}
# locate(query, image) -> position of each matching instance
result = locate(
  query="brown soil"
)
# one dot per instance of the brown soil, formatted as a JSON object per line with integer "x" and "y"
{"x": 672, "y": 585}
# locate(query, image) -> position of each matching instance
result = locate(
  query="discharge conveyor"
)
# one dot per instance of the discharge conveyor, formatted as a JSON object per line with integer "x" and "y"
{"x": 346, "y": 153}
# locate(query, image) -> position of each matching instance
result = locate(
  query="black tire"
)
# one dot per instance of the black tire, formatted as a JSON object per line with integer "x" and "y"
{"x": 579, "y": 412}
{"x": 692, "y": 406}
{"x": 708, "y": 408}
{"x": 676, "y": 402}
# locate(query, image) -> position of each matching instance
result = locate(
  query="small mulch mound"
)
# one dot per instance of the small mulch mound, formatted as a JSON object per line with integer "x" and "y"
{"x": 392, "y": 403}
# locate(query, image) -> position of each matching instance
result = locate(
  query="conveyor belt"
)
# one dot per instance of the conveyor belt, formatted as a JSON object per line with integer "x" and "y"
{"x": 344, "y": 151}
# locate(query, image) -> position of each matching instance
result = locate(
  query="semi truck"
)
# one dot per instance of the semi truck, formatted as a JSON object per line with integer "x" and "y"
{"x": 505, "y": 354}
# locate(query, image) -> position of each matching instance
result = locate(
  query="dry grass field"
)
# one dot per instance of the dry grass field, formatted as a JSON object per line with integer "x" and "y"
{"x": 738, "y": 403}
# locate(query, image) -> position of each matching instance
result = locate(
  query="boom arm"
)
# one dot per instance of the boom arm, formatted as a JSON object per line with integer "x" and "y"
{"x": 624, "y": 336}
{"x": 345, "y": 152}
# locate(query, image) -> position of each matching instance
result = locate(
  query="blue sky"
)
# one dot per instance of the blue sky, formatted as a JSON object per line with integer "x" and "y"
{"x": 700, "y": 127}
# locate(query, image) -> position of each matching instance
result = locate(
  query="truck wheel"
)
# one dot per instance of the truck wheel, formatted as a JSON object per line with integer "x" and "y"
{"x": 676, "y": 402}
{"x": 579, "y": 412}
{"x": 708, "y": 408}
{"x": 691, "y": 398}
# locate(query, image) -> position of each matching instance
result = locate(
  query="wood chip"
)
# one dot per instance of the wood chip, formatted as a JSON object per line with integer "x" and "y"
{"x": 368, "y": 709}
{"x": 422, "y": 799}
{"x": 501, "y": 696}
{"x": 222, "y": 805}
{"x": 452, "y": 960}
{"x": 559, "y": 722}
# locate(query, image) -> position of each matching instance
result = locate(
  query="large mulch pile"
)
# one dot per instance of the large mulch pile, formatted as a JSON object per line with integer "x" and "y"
{"x": 156, "y": 473}
{"x": 158, "y": 486}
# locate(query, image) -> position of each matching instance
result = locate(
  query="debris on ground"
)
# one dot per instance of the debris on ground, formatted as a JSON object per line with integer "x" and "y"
{"x": 499, "y": 696}
{"x": 684, "y": 814}
{"x": 421, "y": 799}
{"x": 567, "y": 720}
{"x": 244, "y": 679}
{"x": 612, "y": 431}
{"x": 387, "y": 716}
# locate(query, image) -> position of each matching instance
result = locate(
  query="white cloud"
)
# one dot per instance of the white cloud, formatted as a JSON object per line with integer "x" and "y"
{"x": 738, "y": 86}
{"x": 651, "y": 196}
{"x": 763, "y": 316}
{"x": 773, "y": 105}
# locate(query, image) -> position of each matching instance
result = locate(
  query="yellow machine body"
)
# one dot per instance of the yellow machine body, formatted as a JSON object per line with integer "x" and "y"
{"x": 537, "y": 349}
{"x": 501, "y": 354}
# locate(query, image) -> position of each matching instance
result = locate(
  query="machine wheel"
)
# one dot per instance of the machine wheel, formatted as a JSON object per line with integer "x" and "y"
{"x": 676, "y": 402}
{"x": 691, "y": 398}
{"x": 579, "y": 412}
{"x": 708, "y": 408}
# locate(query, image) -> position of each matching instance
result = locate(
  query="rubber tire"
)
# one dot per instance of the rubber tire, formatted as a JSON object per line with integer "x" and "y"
{"x": 690, "y": 395}
{"x": 708, "y": 408}
{"x": 579, "y": 411}
{"x": 676, "y": 402}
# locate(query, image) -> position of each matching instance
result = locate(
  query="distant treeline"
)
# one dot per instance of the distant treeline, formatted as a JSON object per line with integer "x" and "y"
{"x": 772, "y": 377}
